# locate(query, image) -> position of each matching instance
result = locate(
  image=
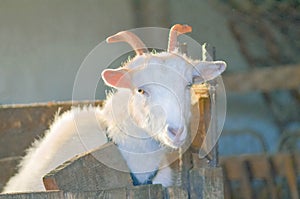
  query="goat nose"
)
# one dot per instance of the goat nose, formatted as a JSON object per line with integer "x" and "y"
{"x": 175, "y": 131}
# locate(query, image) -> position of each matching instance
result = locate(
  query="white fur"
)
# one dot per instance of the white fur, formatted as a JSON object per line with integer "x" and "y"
{"x": 140, "y": 124}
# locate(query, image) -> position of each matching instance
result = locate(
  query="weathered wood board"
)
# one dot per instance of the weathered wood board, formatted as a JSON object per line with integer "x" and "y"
{"x": 102, "y": 168}
{"x": 247, "y": 169}
{"x": 176, "y": 192}
{"x": 140, "y": 192}
{"x": 7, "y": 169}
{"x": 21, "y": 124}
{"x": 206, "y": 183}
{"x": 264, "y": 79}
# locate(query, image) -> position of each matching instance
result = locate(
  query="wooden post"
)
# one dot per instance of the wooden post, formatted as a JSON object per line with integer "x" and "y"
{"x": 206, "y": 183}
{"x": 202, "y": 113}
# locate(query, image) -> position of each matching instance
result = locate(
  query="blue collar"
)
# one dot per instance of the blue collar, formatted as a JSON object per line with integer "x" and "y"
{"x": 136, "y": 182}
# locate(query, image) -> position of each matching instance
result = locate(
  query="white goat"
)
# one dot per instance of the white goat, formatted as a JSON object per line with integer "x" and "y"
{"x": 150, "y": 111}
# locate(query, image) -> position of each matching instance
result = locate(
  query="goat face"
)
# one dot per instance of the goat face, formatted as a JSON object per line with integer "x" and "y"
{"x": 160, "y": 92}
{"x": 160, "y": 86}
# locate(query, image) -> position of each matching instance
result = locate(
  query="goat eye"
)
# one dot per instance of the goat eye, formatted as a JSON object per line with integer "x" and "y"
{"x": 189, "y": 85}
{"x": 141, "y": 91}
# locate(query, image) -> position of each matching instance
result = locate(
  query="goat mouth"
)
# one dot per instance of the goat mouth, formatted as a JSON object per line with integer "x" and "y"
{"x": 173, "y": 143}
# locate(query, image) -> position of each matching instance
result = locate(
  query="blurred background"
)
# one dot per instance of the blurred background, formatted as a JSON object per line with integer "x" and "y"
{"x": 43, "y": 43}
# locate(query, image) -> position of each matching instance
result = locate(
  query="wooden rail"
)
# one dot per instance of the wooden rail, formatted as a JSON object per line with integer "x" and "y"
{"x": 264, "y": 79}
{"x": 261, "y": 176}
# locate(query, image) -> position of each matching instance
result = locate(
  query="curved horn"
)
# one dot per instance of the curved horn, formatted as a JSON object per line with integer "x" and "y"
{"x": 129, "y": 37}
{"x": 176, "y": 30}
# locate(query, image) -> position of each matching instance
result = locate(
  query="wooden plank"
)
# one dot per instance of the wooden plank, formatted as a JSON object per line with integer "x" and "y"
{"x": 233, "y": 167}
{"x": 206, "y": 183}
{"x": 35, "y": 195}
{"x": 228, "y": 191}
{"x": 248, "y": 168}
{"x": 112, "y": 193}
{"x": 142, "y": 192}
{"x": 176, "y": 192}
{"x": 283, "y": 165}
{"x": 296, "y": 157}
{"x": 264, "y": 79}
{"x": 107, "y": 194}
{"x": 95, "y": 170}
{"x": 259, "y": 165}
{"x": 260, "y": 168}
{"x": 146, "y": 191}
{"x": 236, "y": 170}
{"x": 7, "y": 169}
{"x": 21, "y": 124}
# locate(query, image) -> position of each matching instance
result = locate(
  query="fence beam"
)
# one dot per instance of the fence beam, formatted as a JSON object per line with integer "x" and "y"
{"x": 264, "y": 79}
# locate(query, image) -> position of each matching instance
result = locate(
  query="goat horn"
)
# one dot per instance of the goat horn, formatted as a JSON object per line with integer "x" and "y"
{"x": 129, "y": 37}
{"x": 176, "y": 30}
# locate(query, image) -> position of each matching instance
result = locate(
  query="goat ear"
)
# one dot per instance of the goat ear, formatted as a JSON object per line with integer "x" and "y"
{"x": 208, "y": 70}
{"x": 117, "y": 78}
